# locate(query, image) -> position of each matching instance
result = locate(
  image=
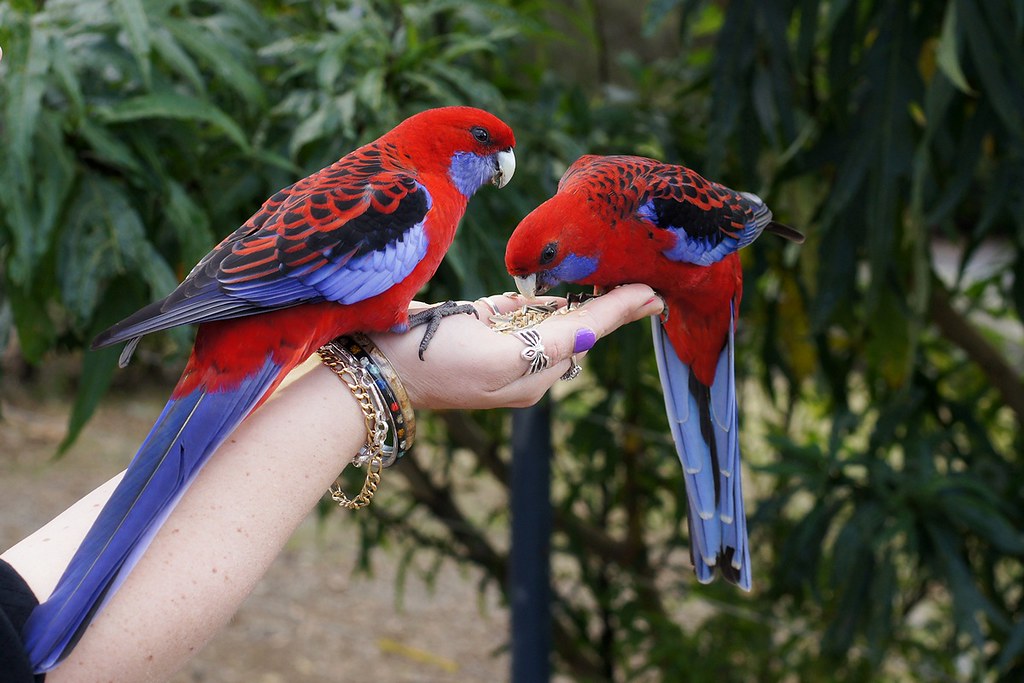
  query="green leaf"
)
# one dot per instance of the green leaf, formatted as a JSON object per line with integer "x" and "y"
{"x": 136, "y": 28}
{"x": 87, "y": 255}
{"x": 370, "y": 89}
{"x": 106, "y": 238}
{"x": 98, "y": 367}
{"x": 53, "y": 183}
{"x": 166, "y": 105}
{"x": 467, "y": 45}
{"x": 178, "y": 59}
{"x": 890, "y": 352}
{"x": 947, "y": 51}
{"x": 25, "y": 96}
{"x": 1012, "y": 648}
{"x": 1005, "y": 97}
{"x": 63, "y": 65}
{"x": 109, "y": 147}
{"x": 215, "y": 52}
{"x": 809, "y": 18}
{"x": 36, "y": 332}
{"x": 985, "y": 519}
{"x": 32, "y": 197}
{"x": 190, "y": 222}
{"x": 310, "y": 128}
{"x": 97, "y": 370}
{"x": 801, "y": 555}
{"x": 968, "y": 601}
{"x": 836, "y": 17}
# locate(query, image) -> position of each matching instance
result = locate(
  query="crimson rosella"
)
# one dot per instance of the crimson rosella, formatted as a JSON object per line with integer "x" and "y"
{"x": 622, "y": 219}
{"x": 342, "y": 250}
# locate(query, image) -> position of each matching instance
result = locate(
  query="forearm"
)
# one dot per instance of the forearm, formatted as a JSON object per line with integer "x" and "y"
{"x": 218, "y": 542}
{"x": 261, "y": 483}
{"x": 42, "y": 557}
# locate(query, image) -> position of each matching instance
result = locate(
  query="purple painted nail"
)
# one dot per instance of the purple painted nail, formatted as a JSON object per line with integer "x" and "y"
{"x": 585, "y": 340}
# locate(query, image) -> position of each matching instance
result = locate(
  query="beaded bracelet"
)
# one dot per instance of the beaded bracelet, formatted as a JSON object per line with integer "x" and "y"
{"x": 403, "y": 419}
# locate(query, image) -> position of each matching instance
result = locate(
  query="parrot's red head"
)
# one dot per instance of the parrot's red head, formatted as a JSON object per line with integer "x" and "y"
{"x": 552, "y": 245}
{"x": 471, "y": 146}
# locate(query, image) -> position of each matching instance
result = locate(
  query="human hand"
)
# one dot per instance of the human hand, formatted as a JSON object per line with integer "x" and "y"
{"x": 470, "y": 365}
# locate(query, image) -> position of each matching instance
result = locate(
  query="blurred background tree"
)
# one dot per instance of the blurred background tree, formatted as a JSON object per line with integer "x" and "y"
{"x": 883, "y": 359}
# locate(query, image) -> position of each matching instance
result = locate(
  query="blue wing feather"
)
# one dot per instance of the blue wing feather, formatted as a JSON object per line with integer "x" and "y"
{"x": 705, "y": 428}
{"x": 185, "y": 435}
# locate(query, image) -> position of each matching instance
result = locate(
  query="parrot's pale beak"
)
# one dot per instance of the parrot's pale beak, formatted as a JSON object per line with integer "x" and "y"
{"x": 527, "y": 285}
{"x": 505, "y": 167}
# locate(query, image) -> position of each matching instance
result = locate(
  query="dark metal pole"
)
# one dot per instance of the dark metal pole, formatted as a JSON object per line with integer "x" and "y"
{"x": 529, "y": 561}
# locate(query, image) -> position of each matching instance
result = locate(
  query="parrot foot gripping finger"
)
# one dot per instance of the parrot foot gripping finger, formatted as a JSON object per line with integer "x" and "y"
{"x": 576, "y": 299}
{"x": 431, "y": 317}
{"x": 663, "y": 316}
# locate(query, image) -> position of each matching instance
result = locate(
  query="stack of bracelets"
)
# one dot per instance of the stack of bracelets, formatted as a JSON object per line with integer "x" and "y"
{"x": 385, "y": 405}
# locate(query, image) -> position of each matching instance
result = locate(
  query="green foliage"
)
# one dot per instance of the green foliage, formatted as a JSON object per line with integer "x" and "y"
{"x": 883, "y": 401}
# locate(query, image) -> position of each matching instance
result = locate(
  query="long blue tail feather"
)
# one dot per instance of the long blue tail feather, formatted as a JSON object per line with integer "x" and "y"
{"x": 705, "y": 428}
{"x": 185, "y": 435}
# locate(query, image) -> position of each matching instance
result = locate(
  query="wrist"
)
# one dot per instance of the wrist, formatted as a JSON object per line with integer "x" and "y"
{"x": 384, "y": 405}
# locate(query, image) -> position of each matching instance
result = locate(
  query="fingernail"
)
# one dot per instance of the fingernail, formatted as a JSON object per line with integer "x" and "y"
{"x": 585, "y": 340}
{"x": 655, "y": 300}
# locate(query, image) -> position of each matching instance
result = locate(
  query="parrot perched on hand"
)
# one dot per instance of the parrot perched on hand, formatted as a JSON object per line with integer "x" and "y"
{"x": 625, "y": 219}
{"x": 343, "y": 250}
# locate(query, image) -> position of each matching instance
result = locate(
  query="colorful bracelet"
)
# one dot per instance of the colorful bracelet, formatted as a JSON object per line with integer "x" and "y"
{"x": 385, "y": 405}
{"x": 358, "y": 351}
{"x": 384, "y": 372}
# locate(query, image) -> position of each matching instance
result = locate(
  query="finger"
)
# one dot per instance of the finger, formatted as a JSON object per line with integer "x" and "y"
{"x": 502, "y": 304}
{"x": 567, "y": 335}
{"x": 530, "y": 388}
{"x": 623, "y": 304}
{"x": 578, "y": 330}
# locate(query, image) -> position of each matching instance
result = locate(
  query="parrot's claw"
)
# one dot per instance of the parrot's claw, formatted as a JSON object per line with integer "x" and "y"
{"x": 431, "y": 317}
{"x": 663, "y": 316}
{"x": 574, "y": 300}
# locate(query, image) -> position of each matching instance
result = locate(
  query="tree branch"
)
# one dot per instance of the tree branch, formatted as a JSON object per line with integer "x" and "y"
{"x": 960, "y": 332}
{"x": 443, "y": 507}
{"x": 465, "y": 432}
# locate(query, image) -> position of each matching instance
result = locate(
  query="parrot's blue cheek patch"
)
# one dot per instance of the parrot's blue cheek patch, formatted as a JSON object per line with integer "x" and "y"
{"x": 470, "y": 172}
{"x": 573, "y": 268}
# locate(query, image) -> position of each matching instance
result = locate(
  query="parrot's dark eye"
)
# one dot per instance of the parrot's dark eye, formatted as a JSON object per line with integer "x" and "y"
{"x": 548, "y": 254}
{"x": 480, "y": 134}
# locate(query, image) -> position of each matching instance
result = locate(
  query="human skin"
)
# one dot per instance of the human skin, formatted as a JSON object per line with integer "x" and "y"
{"x": 263, "y": 481}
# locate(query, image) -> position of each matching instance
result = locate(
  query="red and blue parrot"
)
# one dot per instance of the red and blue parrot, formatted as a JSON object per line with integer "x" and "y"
{"x": 343, "y": 250}
{"x": 623, "y": 219}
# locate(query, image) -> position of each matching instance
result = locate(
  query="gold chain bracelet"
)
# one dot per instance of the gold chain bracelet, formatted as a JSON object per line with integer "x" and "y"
{"x": 363, "y": 389}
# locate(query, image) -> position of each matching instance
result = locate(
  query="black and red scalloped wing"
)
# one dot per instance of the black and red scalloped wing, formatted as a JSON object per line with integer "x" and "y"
{"x": 710, "y": 220}
{"x": 345, "y": 234}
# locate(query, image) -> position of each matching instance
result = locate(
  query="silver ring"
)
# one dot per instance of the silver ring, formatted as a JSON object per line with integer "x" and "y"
{"x": 574, "y": 370}
{"x": 534, "y": 351}
{"x": 486, "y": 300}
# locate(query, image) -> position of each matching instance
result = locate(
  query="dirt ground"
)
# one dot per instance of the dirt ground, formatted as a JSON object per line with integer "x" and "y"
{"x": 312, "y": 618}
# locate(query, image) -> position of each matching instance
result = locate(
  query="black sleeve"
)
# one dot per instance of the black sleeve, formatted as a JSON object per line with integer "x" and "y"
{"x": 16, "y": 602}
